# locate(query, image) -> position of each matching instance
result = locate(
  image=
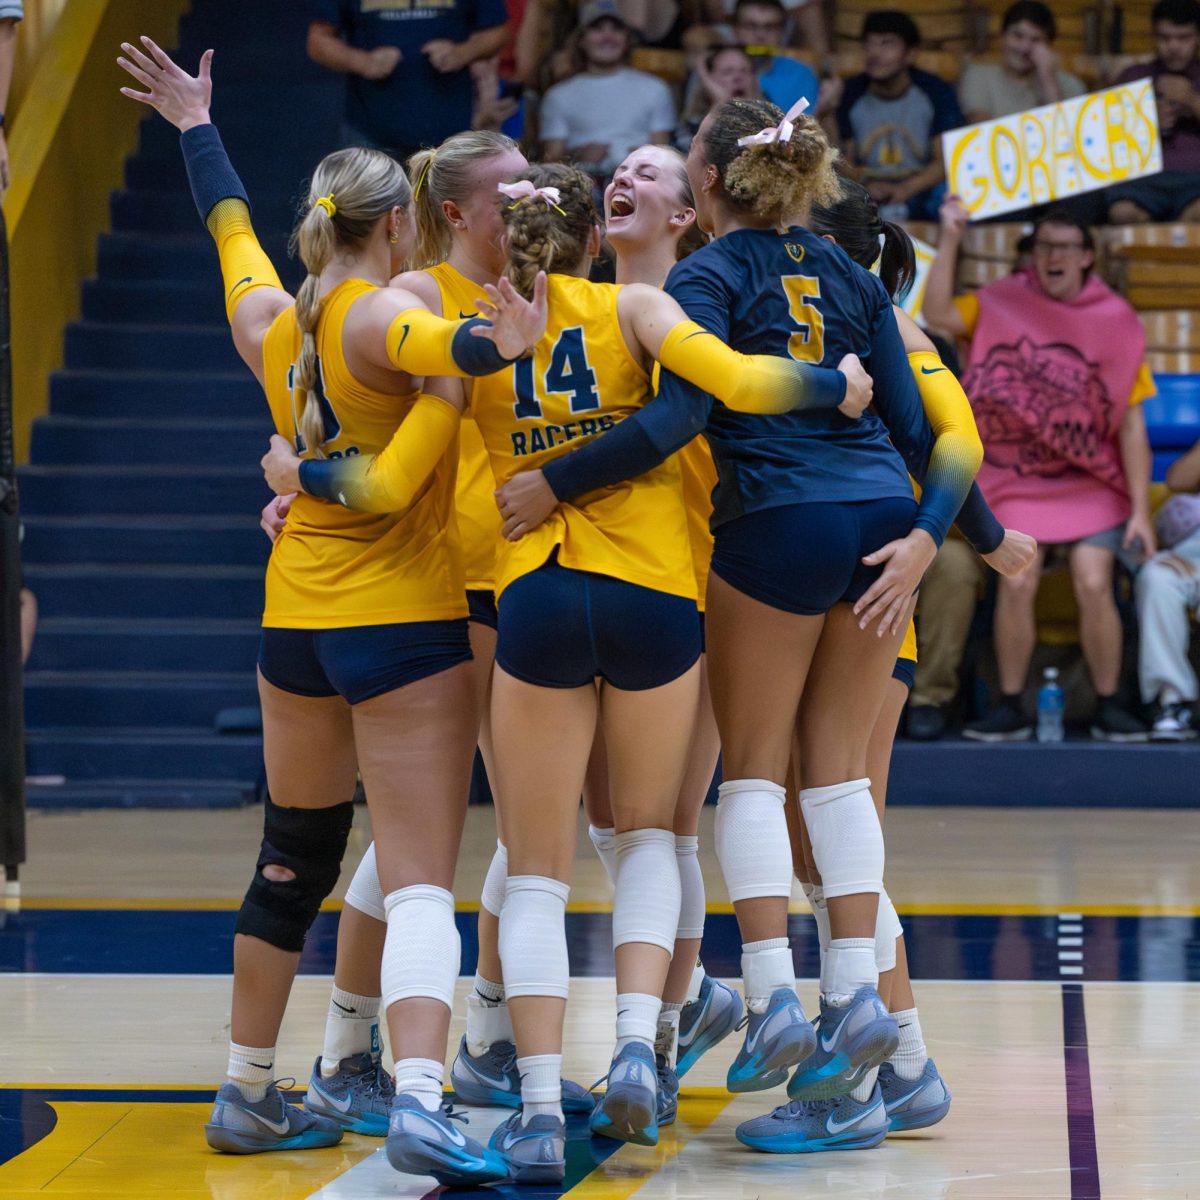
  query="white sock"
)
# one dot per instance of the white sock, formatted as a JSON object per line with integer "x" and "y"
{"x": 698, "y": 976}
{"x": 849, "y": 965}
{"x": 911, "y": 1056}
{"x": 422, "y": 1078}
{"x": 766, "y": 965}
{"x": 637, "y": 1018}
{"x": 351, "y": 1027}
{"x": 862, "y": 1093}
{"x": 541, "y": 1086}
{"x": 605, "y": 841}
{"x": 251, "y": 1068}
{"x": 666, "y": 1039}
{"x": 488, "y": 1022}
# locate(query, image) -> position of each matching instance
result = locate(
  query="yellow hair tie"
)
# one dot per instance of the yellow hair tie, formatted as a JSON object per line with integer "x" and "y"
{"x": 424, "y": 172}
{"x": 326, "y": 202}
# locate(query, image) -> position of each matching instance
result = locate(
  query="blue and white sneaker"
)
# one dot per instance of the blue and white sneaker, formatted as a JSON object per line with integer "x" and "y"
{"x": 358, "y": 1097}
{"x": 850, "y": 1041}
{"x": 776, "y": 1040}
{"x": 241, "y": 1126}
{"x": 491, "y": 1080}
{"x": 668, "y": 1091}
{"x": 704, "y": 1022}
{"x": 536, "y": 1152}
{"x": 628, "y": 1110}
{"x": 914, "y": 1103}
{"x": 806, "y": 1126}
{"x": 420, "y": 1142}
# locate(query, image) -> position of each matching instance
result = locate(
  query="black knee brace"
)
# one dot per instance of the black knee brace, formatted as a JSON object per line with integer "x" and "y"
{"x": 309, "y": 842}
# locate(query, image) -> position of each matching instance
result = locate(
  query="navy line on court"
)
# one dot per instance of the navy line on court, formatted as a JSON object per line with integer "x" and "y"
{"x": 955, "y": 947}
{"x": 1081, "y": 1117}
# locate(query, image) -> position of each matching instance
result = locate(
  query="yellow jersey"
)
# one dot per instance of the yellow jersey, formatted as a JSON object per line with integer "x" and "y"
{"x": 333, "y": 567}
{"x": 581, "y": 380}
{"x": 478, "y": 517}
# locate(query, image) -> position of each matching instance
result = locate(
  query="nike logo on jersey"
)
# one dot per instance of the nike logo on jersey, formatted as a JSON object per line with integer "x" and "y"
{"x": 343, "y": 1105}
{"x": 932, "y": 370}
{"x": 838, "y": 1126}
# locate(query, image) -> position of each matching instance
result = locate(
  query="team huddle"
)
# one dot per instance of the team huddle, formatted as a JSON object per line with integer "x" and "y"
{"x": 604, "y": 532}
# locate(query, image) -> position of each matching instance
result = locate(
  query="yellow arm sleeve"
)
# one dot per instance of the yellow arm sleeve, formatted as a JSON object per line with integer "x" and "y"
{"x": 422, "y": 344}
{"x": 244, "y": 264}
{"x": 390, "y": 480}
{"x": 957, "y": 448}
{"x": 753, "y": 383}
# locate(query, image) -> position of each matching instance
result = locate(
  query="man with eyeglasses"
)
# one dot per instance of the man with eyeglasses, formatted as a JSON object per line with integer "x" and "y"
{"x": 1056, "y": 374}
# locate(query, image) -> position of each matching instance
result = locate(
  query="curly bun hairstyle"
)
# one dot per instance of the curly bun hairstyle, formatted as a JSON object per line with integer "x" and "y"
{"x": 540, "y": 237}
{"x": 777, "y": 182}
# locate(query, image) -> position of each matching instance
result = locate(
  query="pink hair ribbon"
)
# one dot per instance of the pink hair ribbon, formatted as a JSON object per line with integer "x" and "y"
{"x": 523, "y": 189}
{"x": 776, "y": 133}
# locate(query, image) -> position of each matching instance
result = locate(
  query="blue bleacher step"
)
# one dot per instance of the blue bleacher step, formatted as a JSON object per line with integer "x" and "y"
{"x": 207, "y": 592}
{"x": 141, "y": 699}
{"x": 229, "y": 540}
{"x": 132, "y": 644}
{"x": 218, "y": 395}
{"x": 198, "y": 441}
{"x": 141, "y": 793}
{"x": 91, "y": 754}
{"x": 189, "y": 257}
{"x": 155, "y": 347}
{"x": 132, "y": 301}
{"x": 66, "y": 491}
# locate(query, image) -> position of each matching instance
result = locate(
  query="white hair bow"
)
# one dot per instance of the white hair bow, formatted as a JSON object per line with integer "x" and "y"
{"x": 776, "y": 133}
{"x": 523, "y": 189}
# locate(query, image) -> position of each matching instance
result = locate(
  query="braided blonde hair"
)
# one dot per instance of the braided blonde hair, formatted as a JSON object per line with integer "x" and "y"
{"x": 355, "y": 188}
{"x": 542, "y": 237}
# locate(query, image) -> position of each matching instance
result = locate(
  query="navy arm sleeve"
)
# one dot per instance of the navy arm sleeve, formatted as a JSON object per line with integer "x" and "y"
{"x": 978, "y": 524}
{"x": 638, "y": 444}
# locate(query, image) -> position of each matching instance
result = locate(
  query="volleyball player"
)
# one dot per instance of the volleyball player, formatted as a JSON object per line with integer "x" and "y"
{"x": 809, "y": 507}
{"x": 365, "y": 657}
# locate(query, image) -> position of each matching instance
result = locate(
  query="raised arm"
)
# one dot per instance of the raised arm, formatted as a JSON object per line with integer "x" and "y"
{"x": 938, "y": 307}
{"x": 254, "y": 296}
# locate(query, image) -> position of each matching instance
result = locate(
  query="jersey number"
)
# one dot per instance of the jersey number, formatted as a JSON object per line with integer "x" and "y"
{"x": 807, "y": 344}
{"x": 569, "y": 373}
{"x": 329, "y": 419}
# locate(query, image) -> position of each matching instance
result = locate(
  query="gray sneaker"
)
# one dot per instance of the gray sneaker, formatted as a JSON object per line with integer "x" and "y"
{"x": 628, "y": 1110}
{"x": 358, "y": 1097}
{"x": 536, "y": 1152}
{"x": 1174, "y": 723}
{"x": 806, "y": 1126}
{"x": 850, "y": 1041}
{"x": 241, "y": 1126}
{"x": 491, "y": 1080}
{"x": 420, "y": 1142}
{"x": 776, "y": 1040}
{"x": 913, "y": 1103}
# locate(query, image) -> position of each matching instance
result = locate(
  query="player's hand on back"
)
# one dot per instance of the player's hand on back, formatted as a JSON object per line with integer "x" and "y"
{"x": 281, "y": 467}
{"x": 525, "y": 501}
{"x": 517, "y": 324}
{"x": 859, "y": 387}
{"x": 889, "y": 599}
{"x": 1014, "y": 554}
{"x": 181, "y": 98}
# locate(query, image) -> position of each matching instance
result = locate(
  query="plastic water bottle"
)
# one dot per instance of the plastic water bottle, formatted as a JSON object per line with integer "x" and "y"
{"x": 1050, "y": 708}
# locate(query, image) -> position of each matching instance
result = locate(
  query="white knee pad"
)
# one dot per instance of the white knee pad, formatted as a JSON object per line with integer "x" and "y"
{"x": 752, "y": 839}
{"x": 421, "y": 953}
{"x": 887, "y": 930}
{"x": 847, "y": 840}
{"x": 646, "y": 901}
{"x": 364, "y": 892}
{"x": 533, "y": 937}
{"x": 691, "y": 887}
{"x": 492, "y": 896}
{"x": 605, "y": 841}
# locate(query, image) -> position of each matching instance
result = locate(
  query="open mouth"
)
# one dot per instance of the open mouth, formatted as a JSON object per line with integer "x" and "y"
{"x": 621, "y": 205}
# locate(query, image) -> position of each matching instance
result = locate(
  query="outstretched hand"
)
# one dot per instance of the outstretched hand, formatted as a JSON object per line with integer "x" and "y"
{"x": 517, "y": 324}
{"x": 182, "y": 99}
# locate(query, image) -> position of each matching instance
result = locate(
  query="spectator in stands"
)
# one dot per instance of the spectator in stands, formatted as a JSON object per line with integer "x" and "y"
{"x": 1168, "y": 588}
{"x": 407, "y": 79}
{"x": 759, "y": 25}
{"x": 1028, "y": 74}
{"x": 804, "y": 25}
{"x": 11, "y": 11}
{"x": 1056, "y": 373}
{"x": 725, "y": 73}
{"x": 890, "y": 120}
{"x": 596, "y": 117}
{"x": 1175, "y": 193}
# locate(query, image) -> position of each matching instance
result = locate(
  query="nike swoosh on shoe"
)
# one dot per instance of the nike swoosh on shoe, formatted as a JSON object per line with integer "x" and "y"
{"x": 838, "y": 1126}
{"x": 279, "y": 1127}
{"x": 343, "y": 1106}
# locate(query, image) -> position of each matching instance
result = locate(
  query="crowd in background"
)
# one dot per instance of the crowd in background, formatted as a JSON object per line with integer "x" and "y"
{"x": 1070, "y": 460}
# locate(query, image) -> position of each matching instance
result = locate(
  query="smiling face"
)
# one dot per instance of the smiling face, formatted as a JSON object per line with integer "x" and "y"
{"x": 1061, "y": 260}
{"x": 477, "y": 219}
{"x": 604, "y": 43}
{"x": 1017, "y": 43}
{"x": 646, "y": 199}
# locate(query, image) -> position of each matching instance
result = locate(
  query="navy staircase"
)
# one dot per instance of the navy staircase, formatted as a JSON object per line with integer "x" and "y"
{"x": 141, "y": 498}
